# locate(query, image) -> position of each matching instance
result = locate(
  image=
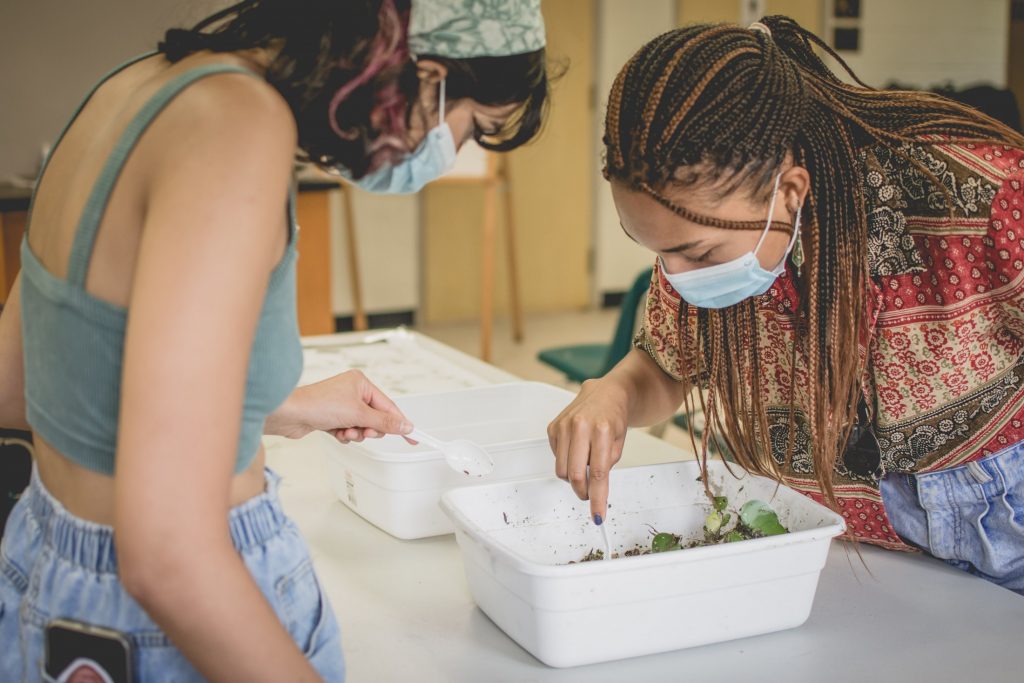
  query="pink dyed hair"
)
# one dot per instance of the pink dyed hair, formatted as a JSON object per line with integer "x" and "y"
{"x": 390, "y": 49}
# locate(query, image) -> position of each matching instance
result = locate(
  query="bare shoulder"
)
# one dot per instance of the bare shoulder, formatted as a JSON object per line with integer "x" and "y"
{"x": 230, "y": 118}
{"x": 219, "y": 169}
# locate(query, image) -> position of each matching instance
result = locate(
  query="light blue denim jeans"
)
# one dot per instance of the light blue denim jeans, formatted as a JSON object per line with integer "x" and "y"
{"x": 53, "y": 564}
{"x": 971, "y": 516}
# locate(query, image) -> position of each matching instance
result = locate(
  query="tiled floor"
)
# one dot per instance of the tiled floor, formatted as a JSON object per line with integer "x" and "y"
{"x": 541, "y": 331}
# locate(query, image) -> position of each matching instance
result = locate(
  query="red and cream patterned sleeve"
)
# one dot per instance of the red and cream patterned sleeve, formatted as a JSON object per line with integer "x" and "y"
{"x": 659, "y": 332}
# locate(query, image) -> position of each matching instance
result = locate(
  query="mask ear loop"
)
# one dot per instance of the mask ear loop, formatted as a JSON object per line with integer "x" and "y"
{"x": 771, "y": 211}
{"x": 440, "y": 102}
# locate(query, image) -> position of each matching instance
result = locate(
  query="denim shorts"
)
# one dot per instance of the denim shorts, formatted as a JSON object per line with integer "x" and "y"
{"x": 971, "y": 516}
{"x": 55, "y": 565}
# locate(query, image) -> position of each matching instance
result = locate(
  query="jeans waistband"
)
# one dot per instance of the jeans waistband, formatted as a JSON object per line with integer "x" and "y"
{"x": 973, "y": 481}
{"x": 91, "y": 545}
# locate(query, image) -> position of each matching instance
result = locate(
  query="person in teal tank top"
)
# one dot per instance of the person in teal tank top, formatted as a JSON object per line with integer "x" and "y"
{"x": 151, "y": 338}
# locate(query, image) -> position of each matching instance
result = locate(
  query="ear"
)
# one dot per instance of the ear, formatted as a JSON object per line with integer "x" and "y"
{"x": 794, "y": 185}
{"x": 431, "y": 72}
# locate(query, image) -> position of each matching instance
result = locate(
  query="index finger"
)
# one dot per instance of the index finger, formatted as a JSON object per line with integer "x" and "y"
{"x": 605, "y": 456}
{"x": 380, "y": 401}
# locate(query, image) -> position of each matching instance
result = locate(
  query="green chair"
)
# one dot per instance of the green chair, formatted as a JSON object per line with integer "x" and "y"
{"x": 587, "y": 361}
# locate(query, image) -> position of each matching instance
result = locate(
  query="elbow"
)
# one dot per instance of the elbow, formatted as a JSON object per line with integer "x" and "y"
{"x": 140, "y": 573}
{"x": 156, "y": 573}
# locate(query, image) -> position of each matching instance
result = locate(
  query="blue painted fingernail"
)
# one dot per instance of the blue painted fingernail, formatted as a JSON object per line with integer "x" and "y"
{"x": 597, "y": 518}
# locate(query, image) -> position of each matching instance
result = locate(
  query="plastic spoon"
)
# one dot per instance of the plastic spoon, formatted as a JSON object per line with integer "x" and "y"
{"x": 607, "y": 543}
{"x": 462, "y": 455}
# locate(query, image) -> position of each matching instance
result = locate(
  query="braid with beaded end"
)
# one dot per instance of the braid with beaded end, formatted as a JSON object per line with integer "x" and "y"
{"x": 725, "y": 107}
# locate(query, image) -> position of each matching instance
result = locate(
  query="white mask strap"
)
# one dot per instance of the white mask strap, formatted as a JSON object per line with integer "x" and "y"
{"x": 440, "y": 100}
{"x": 771, "y": 212}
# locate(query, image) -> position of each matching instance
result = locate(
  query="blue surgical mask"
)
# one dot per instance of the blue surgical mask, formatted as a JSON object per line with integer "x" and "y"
{"x": 729, "y": 283}
{"x": 434, "y": 157}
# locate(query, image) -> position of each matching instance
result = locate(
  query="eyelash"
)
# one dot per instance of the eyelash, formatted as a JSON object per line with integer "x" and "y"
{"x": 703, "y": 257}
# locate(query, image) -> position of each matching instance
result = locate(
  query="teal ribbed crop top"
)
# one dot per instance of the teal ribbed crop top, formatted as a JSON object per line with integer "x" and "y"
{"x": 74, "y": 342}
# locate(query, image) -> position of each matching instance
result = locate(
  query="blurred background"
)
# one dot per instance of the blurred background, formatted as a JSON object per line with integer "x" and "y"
{"x": 419, "y": 257}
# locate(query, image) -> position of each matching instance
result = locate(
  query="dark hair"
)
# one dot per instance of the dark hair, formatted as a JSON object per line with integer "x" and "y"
{"x": 726, "y": 105}
{"x": 344, "y": 70}
{"x": 495, "y": 81}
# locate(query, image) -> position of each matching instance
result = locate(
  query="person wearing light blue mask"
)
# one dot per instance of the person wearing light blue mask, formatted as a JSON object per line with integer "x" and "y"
{"x": 862, "y": 377}
{"x": 728, "y": 283}
{"x": 479, "y": 74}
{"x": 434, "y": 157}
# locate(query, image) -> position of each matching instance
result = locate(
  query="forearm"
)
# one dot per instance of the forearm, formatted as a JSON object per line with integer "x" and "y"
{"x": 210, "y": 607}
{"x": 652, "y": 396}
{"x": 286, "y": 420}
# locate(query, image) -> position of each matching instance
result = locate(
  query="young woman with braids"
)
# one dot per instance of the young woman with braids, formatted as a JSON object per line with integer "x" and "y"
{"x": 152, "y": 338}
{"x": 840, "y": 270}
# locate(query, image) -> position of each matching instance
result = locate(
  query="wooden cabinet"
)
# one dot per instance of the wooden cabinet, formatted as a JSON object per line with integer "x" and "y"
{"x": 13, "y": 213}
{"x": 313, "y": 277}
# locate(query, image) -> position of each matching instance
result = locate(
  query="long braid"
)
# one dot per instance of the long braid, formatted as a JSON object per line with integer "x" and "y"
{"x": 726, "y": 107}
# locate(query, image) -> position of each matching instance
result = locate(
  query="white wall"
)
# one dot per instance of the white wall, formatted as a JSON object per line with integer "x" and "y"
{"x": 53, "y": 51}
{"x": 622, "y": 28}
{"x": 388, "y": 246}
{"x": 924, "y": 43}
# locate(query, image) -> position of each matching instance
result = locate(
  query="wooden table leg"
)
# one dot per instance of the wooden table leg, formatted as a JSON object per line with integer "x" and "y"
{"x": 487, "y": 267}
{"x": 359, "y": 322}
{"x": 313, "y": 272}
{"x": 513, "y": 275}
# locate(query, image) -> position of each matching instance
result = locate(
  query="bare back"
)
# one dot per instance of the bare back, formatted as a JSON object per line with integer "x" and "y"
{"x": 64, "y": 189}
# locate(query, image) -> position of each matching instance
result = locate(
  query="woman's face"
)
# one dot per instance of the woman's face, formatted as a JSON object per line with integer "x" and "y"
{"x": 683, "y": 245}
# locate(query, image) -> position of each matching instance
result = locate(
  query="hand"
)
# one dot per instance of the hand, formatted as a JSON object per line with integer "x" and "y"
{"x": 347, "y": 406}
{"x": 587, "y": 439}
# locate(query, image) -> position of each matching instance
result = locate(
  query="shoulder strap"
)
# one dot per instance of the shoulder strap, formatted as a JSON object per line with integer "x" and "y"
{"x": 95, "y": 206}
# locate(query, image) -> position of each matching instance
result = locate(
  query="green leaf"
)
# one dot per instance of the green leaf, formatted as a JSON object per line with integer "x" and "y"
{"x": 720, "y": 502}
{"x": 759, "y": 516}
{"x": 733, "y": 536}
{"x": 713, "y": 522}
{"x": 663, "y": 542}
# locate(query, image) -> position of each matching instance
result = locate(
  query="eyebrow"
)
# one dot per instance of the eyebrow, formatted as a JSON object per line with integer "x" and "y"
{"x": 686, "y": 246}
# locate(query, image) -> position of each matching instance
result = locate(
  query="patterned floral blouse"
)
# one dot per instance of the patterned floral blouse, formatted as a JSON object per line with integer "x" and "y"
{"x": 945, "y": 378}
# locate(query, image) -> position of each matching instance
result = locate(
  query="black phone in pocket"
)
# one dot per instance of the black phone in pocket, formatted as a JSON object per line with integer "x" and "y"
{"x": 77, "y": 652}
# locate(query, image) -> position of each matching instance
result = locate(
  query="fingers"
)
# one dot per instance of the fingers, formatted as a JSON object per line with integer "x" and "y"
{"x": 579, "y": 456}
{"x": 604, "y": 454}
{"x": 380, "y": 422}
{"x": 559, "y": 441}
{"x": 585, "y": 452}
{"x": 380, "y": 401}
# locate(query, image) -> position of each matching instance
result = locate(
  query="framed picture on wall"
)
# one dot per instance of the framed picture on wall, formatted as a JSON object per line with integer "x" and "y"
{"x": 843, "y": 24}
{"x": 846, "y": 9}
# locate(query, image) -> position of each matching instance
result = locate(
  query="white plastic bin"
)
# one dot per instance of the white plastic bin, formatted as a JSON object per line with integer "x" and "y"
{"x": 397, "y": 486}
{"x": 516, "y": 538}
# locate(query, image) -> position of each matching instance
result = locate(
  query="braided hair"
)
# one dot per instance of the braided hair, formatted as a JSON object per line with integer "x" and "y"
{"x": 724, "y": 107}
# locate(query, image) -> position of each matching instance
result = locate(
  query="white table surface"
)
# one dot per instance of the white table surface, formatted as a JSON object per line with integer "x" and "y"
{"x": 406, "y": 613}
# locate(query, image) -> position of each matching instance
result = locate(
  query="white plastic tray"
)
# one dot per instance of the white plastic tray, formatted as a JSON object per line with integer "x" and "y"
{"x": 517, "y": 537}
{"x": 397, "y": 486}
